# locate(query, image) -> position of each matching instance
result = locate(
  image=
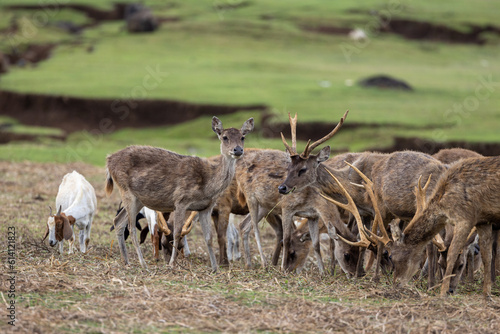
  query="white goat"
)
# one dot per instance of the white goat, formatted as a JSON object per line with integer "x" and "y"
{"x": 77, "y": 204}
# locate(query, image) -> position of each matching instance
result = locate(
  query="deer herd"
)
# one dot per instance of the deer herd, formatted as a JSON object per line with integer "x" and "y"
{"x": 406, "y": 211}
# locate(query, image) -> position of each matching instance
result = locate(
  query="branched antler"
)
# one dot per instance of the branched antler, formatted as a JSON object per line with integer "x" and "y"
{"x": 188, "y": 225}
{"x": 351, "y": 207}
{"x": 162, "y": 223}
{"x": 419, "y": 199}
{"x": 293, "y": 128}
{"x": 310, "y": 147}
{"x": 368, "y": 186}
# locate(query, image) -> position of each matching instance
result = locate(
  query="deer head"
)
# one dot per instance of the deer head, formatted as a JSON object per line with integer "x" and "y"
{"x": 231, "y": 139}
{"x": 302, "y": 168}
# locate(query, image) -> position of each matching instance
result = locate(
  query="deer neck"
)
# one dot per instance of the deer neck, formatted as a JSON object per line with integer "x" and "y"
{"x": 223, "y": 171}
{"x": 428, "y": 224}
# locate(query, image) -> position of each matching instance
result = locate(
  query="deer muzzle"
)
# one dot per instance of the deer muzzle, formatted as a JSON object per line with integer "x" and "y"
{"x": 238, "y": 151}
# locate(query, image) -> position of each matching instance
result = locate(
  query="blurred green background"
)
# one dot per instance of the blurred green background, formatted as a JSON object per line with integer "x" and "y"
{"x": 264, "y": 52}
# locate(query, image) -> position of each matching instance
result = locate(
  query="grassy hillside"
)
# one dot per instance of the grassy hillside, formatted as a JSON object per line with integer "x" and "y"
{"x": 245, "y": 52}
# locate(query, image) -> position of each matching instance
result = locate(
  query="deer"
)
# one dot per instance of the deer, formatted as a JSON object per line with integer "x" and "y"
{"x": 394, "y": 176}
{"x": 257, "y": 173}
{"x": 448, "y": 156}
{"x": 166, "y": 181}
{"x": 466, "y": 196}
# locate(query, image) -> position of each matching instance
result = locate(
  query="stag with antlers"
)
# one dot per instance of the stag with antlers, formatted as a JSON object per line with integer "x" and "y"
{"x": 466, "y": 196}
{"x": 394, "y": 176}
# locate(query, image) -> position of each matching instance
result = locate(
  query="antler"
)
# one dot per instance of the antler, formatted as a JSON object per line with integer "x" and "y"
{"x": 310, "y": 147}
{"x": 368, "y": 186}
{"x": 439, "y": 243}
{"x": 419, "y": 199}
{"x": 162, "y": 223}
{"x": 293, "y": 128}
{"x": 351, "y": 207}
{"x": 188, "y": 225}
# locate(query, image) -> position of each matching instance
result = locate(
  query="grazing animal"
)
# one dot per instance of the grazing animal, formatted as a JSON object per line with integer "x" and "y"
{"x": 466, "y": 196}
{"x": 166, "y": 181}
{"x": 77, "y": 205}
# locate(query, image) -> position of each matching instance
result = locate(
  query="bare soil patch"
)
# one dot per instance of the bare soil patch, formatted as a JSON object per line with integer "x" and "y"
{"x": 93, "y": 292}
{"x": 76, "y": 114}
{"x": 420, "y": 30}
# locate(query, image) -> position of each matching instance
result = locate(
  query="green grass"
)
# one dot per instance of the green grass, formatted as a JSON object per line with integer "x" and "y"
{"x": 233, "y": 56}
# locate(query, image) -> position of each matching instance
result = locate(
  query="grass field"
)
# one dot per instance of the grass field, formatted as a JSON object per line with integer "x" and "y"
{"x": 220, "y": 53}
{"x": 94, "y": 293}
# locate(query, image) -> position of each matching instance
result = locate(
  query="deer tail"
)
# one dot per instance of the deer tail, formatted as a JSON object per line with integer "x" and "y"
{"x": 109, "y": 183}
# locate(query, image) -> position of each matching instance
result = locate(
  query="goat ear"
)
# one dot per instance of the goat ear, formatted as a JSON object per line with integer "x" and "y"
{"x": 324, "y": 154}
{"x": 67, "y": 231}
{"x": 247, "y": 126}
{"x": 397, "y": 235}
{"x": 144, "y": 234}
{"x": 217, "y": 126}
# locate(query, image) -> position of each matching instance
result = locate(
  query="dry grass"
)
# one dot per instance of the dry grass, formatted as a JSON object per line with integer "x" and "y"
{"x": 93, "y": 292}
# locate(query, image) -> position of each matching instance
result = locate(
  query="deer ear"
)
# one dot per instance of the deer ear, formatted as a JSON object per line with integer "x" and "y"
{"x": 324, "y": 154}
{"x": 333, "y": 233}
{"x": 397, "y": 235}
{"x": 247, "y": 126}
{"x": 217, "y": 126}
{"x": 67, "y": 231}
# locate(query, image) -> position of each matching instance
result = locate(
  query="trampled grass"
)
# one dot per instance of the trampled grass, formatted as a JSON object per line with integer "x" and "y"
{"x": 94, "y": 292}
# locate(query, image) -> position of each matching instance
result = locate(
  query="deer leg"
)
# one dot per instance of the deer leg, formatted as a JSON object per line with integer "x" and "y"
{"x": 204, "y": 217}
{"x": 120, "y": 223}
{"x": 431, "y": 265}
{"x": 178, "y": 223}
{"x": 256, "y": 217}
{"x": 314, "y": 232}
{"x": 287, "y": 219}
{"x": 221, "y": 222}
{"x": 380, "y": 252}
{"x": 245, "y": 227}
{"x": 277, "y": 226}
{"x": 133, "y": 208}
{"x": 333, "y": 261}
{"x": 485, "y": 246}
{"x": 494, "y": 255}
{"x": 457, "y": 244}
{"x": 187, "y": 252}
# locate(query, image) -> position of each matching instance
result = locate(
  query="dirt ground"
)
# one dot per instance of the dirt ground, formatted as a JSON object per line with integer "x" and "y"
{"x": 95, "y": 293}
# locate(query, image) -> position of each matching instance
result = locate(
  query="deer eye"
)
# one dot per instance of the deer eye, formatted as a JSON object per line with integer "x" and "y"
{"x": 347, "y": 256}
{"x": 224, "y": 137}
{"x": 302, "y": 171}
{"x": 292, "y": 254}
{"x": 242, "y": 138}
{"x": 460, "y": 267}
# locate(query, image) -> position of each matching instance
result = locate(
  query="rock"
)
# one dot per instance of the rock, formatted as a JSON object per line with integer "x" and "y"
{"x": 384, "y": 81}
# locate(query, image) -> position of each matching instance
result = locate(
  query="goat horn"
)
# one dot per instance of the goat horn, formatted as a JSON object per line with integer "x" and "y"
{"x": 59, "y": 212}
{"x": 50, "y": 214}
